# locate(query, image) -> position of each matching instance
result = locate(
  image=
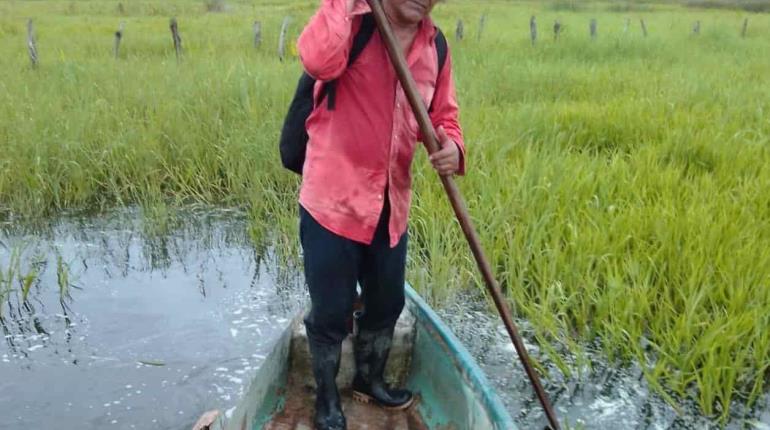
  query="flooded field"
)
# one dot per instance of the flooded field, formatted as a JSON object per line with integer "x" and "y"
{"x": 126, "y": 329}
{"x": 595, "y": 396}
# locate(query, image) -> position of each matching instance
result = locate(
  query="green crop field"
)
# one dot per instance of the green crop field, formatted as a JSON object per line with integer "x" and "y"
{"x": 620, "y": 185}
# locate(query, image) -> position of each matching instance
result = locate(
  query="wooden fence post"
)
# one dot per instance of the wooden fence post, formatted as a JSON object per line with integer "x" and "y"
{"x": 644, "y": 27}
{"x": 282, "y": 39}
{"x": 118, "y": 37}
{"x": 626, "y": 25}
{"x": 745, "y": 27}
{"x": 593, "y": 28}
{"x": 31, "y": 43}
{"x": 482, "y": 23}
{"x": 556, "y": 30}
{"x": 460, "y": 30}
{"x": 533, "y": 29}
{"x": 257, "y": 34}
{"x": 696, "y": 28}
{"x": 177, "y": 39}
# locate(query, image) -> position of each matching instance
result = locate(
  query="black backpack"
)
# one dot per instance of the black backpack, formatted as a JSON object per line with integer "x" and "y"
{"x": 294, "y": 136}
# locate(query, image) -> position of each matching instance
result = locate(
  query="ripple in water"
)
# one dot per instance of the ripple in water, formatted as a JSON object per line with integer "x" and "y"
{"x": 599, "y": 397}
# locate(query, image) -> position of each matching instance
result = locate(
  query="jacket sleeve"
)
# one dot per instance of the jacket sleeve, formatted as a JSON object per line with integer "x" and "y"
{"x": 325, "y": 43}
{"x": 446, "y": 111}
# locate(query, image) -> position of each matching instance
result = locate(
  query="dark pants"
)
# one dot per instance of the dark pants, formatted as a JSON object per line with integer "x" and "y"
{"x": 335, "y": 265}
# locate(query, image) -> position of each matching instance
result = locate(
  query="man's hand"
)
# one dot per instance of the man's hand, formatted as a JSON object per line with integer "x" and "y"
{"x": 446, "y": 161}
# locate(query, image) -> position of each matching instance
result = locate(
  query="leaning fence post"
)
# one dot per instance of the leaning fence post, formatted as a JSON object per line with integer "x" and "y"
{"x": 282, "y": 39}
{"x": 696, "y": 28}
{"x": 460, "y": 30}
{"x": 745, "y": 27}
{"x": 593, "y": 28}
{"x": 177, "y": 39}
{"x": 533, "y": 29}
{"x": 257, "y": 34}
{"x": 482, "y": 23}
{"x": 644, "y": 27}
{"x": 556, "y": 30}
{"x": 118, "y": 37}
{"x": 31, "y": 43}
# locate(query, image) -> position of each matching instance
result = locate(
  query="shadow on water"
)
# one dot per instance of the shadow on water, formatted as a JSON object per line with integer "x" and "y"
{"x": 597, "y": 395}
{"x": 108, "y": 323}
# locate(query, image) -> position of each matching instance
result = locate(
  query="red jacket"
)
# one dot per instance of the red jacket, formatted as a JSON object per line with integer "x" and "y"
{"x": 368, "y": 141}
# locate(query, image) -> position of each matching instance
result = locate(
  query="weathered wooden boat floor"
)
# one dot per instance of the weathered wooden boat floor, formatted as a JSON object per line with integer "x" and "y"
{"x": 297, "y": 413}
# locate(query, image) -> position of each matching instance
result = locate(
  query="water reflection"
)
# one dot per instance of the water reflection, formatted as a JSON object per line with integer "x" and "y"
{"x": 124, "y": 326}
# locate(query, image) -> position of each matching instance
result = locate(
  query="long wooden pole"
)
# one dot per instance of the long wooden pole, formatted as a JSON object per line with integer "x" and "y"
{"x": 458, "y": 204}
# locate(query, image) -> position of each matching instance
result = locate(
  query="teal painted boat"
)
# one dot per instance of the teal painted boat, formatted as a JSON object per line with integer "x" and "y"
{"x": 453, "y": 393}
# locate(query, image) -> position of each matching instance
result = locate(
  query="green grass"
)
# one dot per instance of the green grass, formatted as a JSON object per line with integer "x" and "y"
{"x": 620, "y": 186}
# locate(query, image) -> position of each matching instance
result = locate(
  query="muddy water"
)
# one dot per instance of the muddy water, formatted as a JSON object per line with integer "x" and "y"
{"x": 153, "y": 330}
{"x": 124, "y": 328}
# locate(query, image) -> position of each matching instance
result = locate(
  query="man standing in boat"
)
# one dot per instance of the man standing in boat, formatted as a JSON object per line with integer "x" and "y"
{"x": 356, "y": 185}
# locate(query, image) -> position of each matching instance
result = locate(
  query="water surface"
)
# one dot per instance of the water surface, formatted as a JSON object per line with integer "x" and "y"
{"x": 152, "y": 329}
{"x": 128, "y": 327}
{"x": 596, "y": 395}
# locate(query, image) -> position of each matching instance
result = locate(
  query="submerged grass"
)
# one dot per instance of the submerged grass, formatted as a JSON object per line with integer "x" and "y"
{"x": 619, "y": 185}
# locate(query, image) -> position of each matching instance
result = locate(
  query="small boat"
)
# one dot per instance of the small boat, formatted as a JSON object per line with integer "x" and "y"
{"x": 452, "y": 391}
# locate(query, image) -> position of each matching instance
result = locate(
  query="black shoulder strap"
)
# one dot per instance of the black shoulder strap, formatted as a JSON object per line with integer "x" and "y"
{"x": 360, "y": 41}
{"x": 442, "y": 49}
{"x": 362, "y": 38}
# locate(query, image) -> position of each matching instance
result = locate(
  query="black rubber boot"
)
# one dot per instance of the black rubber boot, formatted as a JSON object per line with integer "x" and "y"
{"x": 371, "y": 350}
{"x": 326, "y": 364}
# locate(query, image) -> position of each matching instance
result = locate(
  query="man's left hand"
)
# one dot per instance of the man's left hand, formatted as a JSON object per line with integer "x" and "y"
{"x": 446, "y": 161}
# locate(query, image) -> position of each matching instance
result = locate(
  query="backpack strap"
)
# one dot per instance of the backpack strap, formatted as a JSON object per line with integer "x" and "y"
{"x": 442, "y": 49}
{"x": 362, "y": 38}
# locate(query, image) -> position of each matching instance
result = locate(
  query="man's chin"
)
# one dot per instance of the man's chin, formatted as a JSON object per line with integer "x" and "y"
{"x": 414, "y": 17}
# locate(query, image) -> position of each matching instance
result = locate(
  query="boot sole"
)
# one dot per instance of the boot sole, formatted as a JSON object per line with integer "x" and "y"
{"x": 367, "y": 399}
